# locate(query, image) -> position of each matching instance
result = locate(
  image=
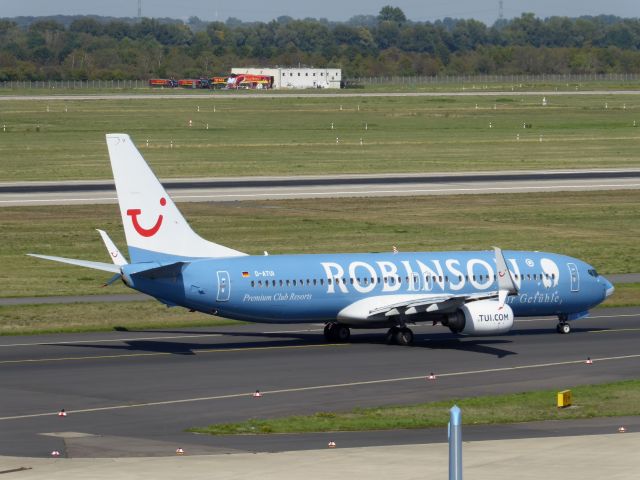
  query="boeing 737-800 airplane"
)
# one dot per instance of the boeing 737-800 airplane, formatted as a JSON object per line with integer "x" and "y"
{"x": 473, "y": 293}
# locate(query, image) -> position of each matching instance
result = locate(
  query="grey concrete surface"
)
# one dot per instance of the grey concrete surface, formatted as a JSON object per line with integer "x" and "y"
{"x": 238, "y": 189}
{"x": 612, "y": 457}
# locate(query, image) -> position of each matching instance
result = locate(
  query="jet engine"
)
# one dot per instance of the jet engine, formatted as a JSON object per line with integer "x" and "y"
{"x": 480, "y": 318}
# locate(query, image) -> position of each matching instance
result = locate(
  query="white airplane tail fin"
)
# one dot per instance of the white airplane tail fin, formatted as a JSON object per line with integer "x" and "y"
{"x": 154, "y": 227}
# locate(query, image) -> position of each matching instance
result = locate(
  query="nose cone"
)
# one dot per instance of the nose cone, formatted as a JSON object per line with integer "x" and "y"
{"x": 608, "y": 287}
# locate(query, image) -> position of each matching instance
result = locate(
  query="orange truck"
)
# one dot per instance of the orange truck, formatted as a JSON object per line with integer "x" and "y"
{"x": 243, "y": 80}
{"x": 163, "y": 82}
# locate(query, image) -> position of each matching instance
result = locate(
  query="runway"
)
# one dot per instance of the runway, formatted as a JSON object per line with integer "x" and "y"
{"x": 216, "y": 94}
{"x": 262, "y": 188}
{"x": 134, "y": 393}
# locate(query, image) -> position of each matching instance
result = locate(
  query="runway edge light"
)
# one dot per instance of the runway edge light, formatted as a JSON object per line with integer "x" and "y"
{"x": 564, "y": 399}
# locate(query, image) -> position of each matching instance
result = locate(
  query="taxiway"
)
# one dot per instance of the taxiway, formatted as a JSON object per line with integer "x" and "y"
{"x": 135, "y": 393}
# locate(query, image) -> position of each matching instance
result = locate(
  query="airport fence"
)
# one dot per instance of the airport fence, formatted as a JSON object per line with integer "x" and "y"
{"x": 352, "y": 81}
{"x": 487, "y": 79}
{"x": 76, "y": 84}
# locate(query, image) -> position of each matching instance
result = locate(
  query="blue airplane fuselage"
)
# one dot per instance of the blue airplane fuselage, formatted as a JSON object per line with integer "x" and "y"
{"x": 316, "y": 288}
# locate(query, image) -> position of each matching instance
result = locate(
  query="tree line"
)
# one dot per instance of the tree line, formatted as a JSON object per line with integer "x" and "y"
{"x": 91, "y": 48}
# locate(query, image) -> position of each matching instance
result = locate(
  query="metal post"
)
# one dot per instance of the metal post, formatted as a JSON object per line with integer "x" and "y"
{"x": 455, "y": 444}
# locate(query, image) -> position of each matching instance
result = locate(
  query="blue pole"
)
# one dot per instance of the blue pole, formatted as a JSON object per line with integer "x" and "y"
{"x": 455, "y": 444}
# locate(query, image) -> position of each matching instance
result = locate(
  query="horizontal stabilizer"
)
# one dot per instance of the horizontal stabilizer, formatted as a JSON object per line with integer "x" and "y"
{"x": 106, "y": 267}
{"x": 166, "y": 271}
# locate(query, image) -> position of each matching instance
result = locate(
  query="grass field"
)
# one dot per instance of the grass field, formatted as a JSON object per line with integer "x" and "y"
{"x": 285, "y": 136}
{"x": 607, "y": 400}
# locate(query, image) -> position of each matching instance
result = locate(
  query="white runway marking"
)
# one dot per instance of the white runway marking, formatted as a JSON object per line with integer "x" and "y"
{"x": 112, "y": 340}
{"x": 319, "y": 387}
{"x": 161, "y": 337}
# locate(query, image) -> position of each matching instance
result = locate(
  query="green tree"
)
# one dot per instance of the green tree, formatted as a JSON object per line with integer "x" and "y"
{"x": 391, "y": 14}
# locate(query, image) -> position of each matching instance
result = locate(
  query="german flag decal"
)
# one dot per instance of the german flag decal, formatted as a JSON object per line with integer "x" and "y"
{"x": 245, "y": 274}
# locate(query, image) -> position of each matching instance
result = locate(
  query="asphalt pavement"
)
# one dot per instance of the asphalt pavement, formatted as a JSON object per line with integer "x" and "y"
{"x": 329, "y": 186}
{"x": 132, "y": 393}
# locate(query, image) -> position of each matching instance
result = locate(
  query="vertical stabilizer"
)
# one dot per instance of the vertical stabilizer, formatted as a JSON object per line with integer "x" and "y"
{"x": 154, "y": 227}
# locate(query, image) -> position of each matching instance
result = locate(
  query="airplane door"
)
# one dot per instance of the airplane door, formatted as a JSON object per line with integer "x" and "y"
{"x": 575, "y": 277}
{"x": 224, "y": 286}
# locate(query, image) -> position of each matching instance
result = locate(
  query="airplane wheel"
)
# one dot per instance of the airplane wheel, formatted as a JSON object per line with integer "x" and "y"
{"x": 563, "y": 328}
{"x": 404, "y": 336}
{"x": 391, "y": 335}
{"x": 341, "y": 333}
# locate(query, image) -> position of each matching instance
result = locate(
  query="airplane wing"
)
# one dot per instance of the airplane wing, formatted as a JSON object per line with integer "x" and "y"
{"x": 428, "y": 303}
{"x": 372, "y": 308}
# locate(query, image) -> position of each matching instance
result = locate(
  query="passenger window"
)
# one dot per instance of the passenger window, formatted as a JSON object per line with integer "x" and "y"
{"x": 253, "y": 283}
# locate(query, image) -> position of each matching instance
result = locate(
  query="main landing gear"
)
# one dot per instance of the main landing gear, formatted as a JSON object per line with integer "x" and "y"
{"x": 400, "y": 335}
{"x": 336, "y": 332}
{"x": 563, "y": 327}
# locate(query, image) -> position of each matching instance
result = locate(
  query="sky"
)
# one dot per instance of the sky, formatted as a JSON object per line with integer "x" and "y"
{"x": 265, "y": 10}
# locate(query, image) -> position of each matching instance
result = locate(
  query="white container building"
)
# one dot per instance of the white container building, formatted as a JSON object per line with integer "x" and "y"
{"x": 285, "y": 77}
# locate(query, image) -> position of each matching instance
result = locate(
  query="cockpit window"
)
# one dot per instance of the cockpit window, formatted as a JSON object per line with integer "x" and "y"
{"x": 592, "y": 272}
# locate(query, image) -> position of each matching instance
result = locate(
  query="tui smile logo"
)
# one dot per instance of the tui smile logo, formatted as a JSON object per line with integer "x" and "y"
{"x": 145, "y": 232}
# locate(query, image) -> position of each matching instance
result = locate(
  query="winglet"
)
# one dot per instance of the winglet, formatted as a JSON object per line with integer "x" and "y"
{"x": 114, "y": 253}
{"x": 506, "y": 285}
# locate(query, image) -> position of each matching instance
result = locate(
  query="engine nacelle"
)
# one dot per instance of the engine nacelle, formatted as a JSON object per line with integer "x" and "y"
{"x": 481, "y": 318}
